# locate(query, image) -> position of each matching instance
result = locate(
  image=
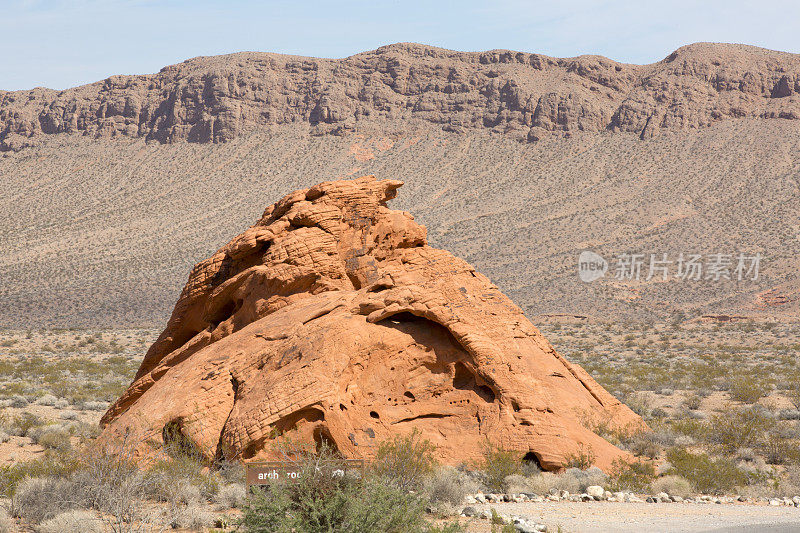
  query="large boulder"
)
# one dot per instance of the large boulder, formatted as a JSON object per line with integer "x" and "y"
{"x": 331, "y": 319}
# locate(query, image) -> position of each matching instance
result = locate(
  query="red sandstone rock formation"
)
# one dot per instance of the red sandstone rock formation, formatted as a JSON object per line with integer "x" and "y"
{"x": 332, "y": 319}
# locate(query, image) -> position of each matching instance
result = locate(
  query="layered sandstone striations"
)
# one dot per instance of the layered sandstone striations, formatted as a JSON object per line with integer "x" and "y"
{"x": 526, "y": 96}
{"x": 331, "y": 319}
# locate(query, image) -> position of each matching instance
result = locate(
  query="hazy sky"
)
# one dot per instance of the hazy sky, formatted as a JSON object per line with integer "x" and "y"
{"x": 63, "y": 43}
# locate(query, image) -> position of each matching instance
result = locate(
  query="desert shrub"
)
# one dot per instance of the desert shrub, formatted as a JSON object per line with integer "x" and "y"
{"x": 57, "y": 440}
{"x": 517, "y": 484}
{"x": 24, "y": 423}
{"x": 38, "y": 499}
{"x": 643, "y": 444}
{"x": 75, "y": 520}
{"x": 672, "y": 485}
{"x": 690, "y": 427}
{"x": 115, "y": 486}
{"x": 748, "y": 389}
{"x": 639, "y": 403}
{"x": 707, "y": 475}
{"x": 319, "y": 501}
{"x": 692, "y": 401}
{"x": 584, "y": 478}
{"x": 231, "y": 496}
{"x": 546, "y": 482}
{"x": 405, "y": 460}
{"x": 448, "y": 485}
{"x": 779, "y": 450}
{"x": 50, "y": 464}
{"x": 7, "y": 524}
{"x": 739, "y": 428}
{"x": 184, "y": 469}
{"x": 583, "y": 458}
{"x": 498, "y": 463}
{"x": 230, "y": 471}
{"x": 47, "y": 399}
{"x": 634, "y": 475}
{"x": 573, "y": 480}
{"x": 193, "y": 517}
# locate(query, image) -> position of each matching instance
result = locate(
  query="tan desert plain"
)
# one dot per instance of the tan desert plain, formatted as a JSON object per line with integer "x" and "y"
{"x": 531, "y": 293}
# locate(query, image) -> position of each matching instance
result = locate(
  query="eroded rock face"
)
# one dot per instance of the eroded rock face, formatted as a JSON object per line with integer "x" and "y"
{"x": 332, "y": 319}
{"x": 525, "y": 96}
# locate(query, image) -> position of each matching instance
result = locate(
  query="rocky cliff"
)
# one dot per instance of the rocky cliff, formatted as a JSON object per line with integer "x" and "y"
{"x": 525, "y": 96}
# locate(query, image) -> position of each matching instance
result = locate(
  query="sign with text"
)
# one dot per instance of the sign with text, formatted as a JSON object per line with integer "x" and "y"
{"x": 267, "y": 472}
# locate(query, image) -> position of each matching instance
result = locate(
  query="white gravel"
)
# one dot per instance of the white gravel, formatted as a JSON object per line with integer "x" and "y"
{"x": 596, "y": 517}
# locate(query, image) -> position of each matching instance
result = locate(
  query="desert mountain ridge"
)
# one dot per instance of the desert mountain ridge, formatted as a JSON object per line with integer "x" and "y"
{"x": 515, "y": 162}
{"x": 522, "y": 95}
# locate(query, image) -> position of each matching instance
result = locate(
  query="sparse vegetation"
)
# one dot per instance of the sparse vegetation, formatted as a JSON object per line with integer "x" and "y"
{"x": 498, "y": 464}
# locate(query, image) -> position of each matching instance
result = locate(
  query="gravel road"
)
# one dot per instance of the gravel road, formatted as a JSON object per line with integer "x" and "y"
{"x": 596, "y": 517}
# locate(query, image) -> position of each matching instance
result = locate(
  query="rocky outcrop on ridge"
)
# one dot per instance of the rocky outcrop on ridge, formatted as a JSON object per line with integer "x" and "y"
{"x": 526, "y": 96}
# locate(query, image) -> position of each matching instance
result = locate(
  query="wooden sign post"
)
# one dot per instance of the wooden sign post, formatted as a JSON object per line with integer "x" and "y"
{"x": 268, "y": 472}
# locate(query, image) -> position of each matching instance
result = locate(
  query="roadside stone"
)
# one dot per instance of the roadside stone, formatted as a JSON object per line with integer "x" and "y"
{"x": 470, "y": 500}
{"x": 469, "y": 511}
{"x": 596, "y": 492}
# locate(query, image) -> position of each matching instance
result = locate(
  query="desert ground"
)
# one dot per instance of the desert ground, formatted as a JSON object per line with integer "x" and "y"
{"x": 722, "y": 400}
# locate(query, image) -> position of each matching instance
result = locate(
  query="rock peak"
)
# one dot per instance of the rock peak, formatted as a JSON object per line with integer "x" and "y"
{"x": 331, "y": 319}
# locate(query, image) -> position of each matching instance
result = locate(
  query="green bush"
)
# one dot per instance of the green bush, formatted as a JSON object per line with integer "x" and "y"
{"x": 583, "y": 459}
{"x": 748, "y": 389}
{"x": 54, "y": 464}
{"x": 778, "y": 450}
{"x": 499, "y": 463}
{"x": 707, "y": 475}
{"x": 634, "y": 476}
{"x": 741, "y": 428}
{"x": 319, "y": 500}
{"x": 448, "y": 485}
{"x": 405, "y": 460}
{"x": 55, "y": 440}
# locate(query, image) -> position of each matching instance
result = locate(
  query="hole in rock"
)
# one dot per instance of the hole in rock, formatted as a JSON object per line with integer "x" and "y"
{"x": 176, "y": 443}
{"x": 532, "y": 459}
{"x": 182, "y": 337}
{"x": 408, "y": 395}
{"x": 298, "y": 418}
{"x": 354, "y": 280}
{"x": 515, "y": 406}
{"x": 342, "y": 407}
{"x": 225, "y": 312}
{"x": 323, "y": 439}
{"x": 373, "y": 414}
{"x": 464, "y": 379}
